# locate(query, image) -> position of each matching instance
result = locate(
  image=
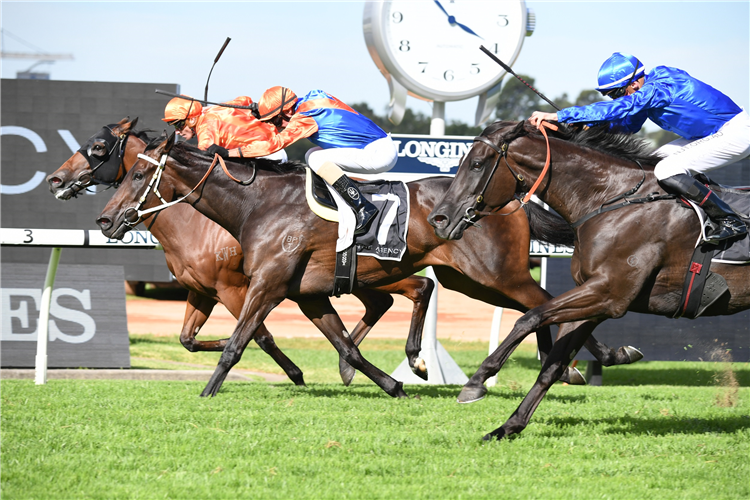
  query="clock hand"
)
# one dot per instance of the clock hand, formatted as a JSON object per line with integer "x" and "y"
{"x": 441, "y": 8}
{"x": 466, "y": 29}
{"x": 452, "y": 20}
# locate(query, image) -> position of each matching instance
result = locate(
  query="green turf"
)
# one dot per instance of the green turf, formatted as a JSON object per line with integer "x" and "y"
{"x": 658, "y": 430}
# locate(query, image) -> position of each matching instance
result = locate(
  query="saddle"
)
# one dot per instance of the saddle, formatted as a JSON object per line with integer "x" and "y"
{"x": 386, "y": 236}
{"x": 702, "y": 286}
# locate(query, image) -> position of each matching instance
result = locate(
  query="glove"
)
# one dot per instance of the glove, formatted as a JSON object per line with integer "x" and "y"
{"x": 215, "y": 149}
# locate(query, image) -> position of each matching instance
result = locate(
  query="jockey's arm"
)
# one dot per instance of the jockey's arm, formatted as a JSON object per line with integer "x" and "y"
{"x": 299, "y": 127}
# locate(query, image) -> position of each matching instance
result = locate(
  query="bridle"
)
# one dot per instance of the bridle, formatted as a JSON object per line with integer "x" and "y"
{"x": 111, "y": 162}
{"x": 502, "y": 153}
{"x": 607, "y": 206}
{"x": 134, "y": 215}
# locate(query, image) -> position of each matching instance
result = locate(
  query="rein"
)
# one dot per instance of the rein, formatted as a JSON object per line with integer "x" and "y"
{"x": 134, "y": 215}
{"x": 628, "y": 201}
{"x": 502, "y": 152}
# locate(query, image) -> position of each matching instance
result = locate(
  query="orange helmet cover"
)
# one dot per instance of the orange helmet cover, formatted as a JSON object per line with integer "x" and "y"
{"x": 181, "y": 109}
{"x": 274, "y": 101}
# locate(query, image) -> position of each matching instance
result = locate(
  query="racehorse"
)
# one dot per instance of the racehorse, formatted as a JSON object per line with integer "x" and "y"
{"x": 304, "y": 274}
{"x": 632, "y": 258}
{"x": 190, "y": 242}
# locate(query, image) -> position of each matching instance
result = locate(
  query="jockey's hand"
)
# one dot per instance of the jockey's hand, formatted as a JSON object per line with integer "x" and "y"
{"x": 215, "y": 149}
{"x": 537, "y": 117}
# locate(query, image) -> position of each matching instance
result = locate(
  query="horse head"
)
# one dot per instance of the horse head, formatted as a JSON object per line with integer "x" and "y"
{"x": 485, "y": 178}
{"x": 137, "y": 191}
{"x": 101, "y": 160}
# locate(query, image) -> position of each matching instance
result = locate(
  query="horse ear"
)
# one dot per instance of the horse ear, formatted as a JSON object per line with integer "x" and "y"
{"x": 125, "y": 126}
{"x": 170, "y": 143}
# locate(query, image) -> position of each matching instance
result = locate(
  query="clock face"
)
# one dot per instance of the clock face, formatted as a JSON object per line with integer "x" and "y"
{"x": 432, "y": 47}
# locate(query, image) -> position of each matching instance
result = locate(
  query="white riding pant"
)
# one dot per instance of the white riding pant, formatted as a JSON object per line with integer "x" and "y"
{"x": 729, "y": 144}
{"x": 279, "y": 155}
{"x": 378, "y": 156}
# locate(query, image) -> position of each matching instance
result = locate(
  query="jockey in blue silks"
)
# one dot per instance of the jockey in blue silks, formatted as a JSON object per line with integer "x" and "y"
{"x": 714, "y": 131}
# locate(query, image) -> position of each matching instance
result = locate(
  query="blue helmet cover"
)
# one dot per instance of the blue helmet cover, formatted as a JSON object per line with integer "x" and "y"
{"x": 618, "y": 69}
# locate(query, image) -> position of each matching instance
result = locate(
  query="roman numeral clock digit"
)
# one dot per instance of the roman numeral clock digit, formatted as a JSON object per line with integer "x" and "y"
{"x": 430, "y": 48}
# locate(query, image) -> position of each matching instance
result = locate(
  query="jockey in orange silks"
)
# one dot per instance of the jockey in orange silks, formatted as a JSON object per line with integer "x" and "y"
{"x": 345, "y": 141}
{"x": 219, "y": 128}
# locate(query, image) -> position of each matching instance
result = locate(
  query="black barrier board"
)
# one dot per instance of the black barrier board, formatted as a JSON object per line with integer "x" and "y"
{"x": 661, "y": 338}
{"x": 88, "y": 327}
{"x": 43, "y": 123}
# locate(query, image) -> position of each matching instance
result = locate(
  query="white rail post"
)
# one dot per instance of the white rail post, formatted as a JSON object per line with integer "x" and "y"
{"x": 40, "y": 369}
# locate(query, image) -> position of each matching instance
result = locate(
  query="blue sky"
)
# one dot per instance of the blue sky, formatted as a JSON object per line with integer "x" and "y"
{"x": 309, "y": 45}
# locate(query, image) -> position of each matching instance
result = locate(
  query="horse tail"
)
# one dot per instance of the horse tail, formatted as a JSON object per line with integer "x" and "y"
{"x": 548, "y": 226}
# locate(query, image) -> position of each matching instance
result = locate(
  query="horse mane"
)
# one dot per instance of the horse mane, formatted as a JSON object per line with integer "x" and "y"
{"x": 190, "y": 155}
{"x": 599, "y": 138}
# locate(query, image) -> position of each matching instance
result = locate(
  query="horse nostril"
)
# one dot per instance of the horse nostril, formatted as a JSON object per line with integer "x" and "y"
{"x": 438, "y": 220}
{"x": 104, "y": 223}
{"x": 54, "y": 181}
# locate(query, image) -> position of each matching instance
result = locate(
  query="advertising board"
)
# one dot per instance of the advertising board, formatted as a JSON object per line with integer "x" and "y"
{"x": 44, "y": 122}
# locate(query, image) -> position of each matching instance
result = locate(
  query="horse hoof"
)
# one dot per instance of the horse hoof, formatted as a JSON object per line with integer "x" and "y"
{"x": 575, "y": 377}
{"x": 420, "y": 368}
{"x": 471, "y": 394}
{"x": 633, "y": 354}
{"x": 497, "y": 434}
{"x": 347, "y": 372}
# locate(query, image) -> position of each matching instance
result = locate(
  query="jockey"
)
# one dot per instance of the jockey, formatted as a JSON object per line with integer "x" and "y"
{"x": 714, "y": 131}
{"x": 218, "y": 128}
{"x": 345, "y": 141}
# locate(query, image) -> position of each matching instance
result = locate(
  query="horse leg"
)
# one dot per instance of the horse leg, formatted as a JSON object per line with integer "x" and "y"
{"x": 265, "y": 341}
{"x": 233, "y": 298}
{"x": 259, "y": 301}
{"x": 563, "y": 351}
{"x": 525, "y": 295}
{"x": 320, "y": 311}
{"x": 593, "y": 299}
{"x": 418, "y": 290}
{"x": 607, "y": 356}
{"x": 376, "y": 304}
{"x": 197, "y": 311}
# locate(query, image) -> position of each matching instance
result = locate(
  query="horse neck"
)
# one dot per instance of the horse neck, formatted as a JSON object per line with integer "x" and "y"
{"x": 578, "y": 180}
{"x": 221, "y": 199}
{"x": 133, "y": 148}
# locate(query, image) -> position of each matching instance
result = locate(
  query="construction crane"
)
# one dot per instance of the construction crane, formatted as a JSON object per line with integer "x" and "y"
{"x": 40, "y": 56}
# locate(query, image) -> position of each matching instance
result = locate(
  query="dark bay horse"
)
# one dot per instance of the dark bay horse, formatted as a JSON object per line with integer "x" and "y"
{"x": 205, "y": 258}
{"x": 304, "y": 274}
{"x": 634, "y": 258}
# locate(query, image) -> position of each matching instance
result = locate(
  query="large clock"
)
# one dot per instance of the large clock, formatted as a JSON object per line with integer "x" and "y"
{"x": 430, "y": 48}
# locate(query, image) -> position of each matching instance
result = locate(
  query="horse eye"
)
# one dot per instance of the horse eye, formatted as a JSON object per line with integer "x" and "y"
{"x": 138, "y": 176}
{"x": 476, "y": 164}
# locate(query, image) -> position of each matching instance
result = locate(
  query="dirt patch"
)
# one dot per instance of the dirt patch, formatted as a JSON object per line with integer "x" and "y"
{"x": 459, "y": 318}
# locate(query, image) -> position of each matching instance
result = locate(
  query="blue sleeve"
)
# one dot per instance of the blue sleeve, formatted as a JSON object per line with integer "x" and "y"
{"x": 626, "y": 114}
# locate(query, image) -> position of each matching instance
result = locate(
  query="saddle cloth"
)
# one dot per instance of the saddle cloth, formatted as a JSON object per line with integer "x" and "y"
{"x": 736, "y": 251}
{"x": 386, "y": 236}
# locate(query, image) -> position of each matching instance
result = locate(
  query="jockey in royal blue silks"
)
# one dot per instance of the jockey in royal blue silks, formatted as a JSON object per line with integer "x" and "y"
{"x": 714, "y": 131}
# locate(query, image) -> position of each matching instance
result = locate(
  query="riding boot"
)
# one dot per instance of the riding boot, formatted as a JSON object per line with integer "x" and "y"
{"x": 726, "y": 223}
{"x": 363, "y": 209}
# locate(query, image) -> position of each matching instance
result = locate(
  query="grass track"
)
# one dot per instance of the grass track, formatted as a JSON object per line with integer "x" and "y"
{"x": 662, "y": 432}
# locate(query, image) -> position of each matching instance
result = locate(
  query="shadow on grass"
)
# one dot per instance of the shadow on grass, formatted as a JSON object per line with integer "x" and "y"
{"x": 690, "y": 377}
{"x": 661, "y": 426}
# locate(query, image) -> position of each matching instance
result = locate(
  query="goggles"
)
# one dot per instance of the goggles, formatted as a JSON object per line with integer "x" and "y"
{"x": 178, "y": 124}
{"x": 621, "y": 91}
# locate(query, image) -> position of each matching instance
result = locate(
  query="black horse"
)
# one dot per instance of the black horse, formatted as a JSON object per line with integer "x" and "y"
{"x": 634, "y": 258}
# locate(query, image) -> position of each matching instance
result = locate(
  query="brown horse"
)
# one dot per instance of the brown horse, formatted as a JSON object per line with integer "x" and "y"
{"x": 190, "y": 241}
{"x": 304, "y": 274}
{"x": 634, "y": 258}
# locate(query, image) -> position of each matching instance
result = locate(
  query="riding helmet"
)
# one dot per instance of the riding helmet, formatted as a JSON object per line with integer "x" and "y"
{"x": 180, "y": 108}
{"x": 619, "y": 70}
{"x": 274, "y": 101}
